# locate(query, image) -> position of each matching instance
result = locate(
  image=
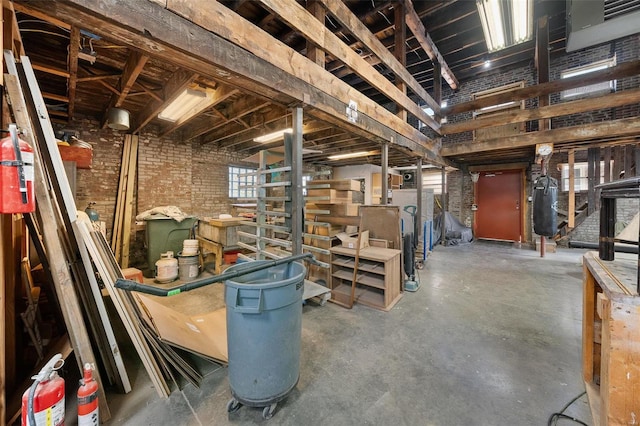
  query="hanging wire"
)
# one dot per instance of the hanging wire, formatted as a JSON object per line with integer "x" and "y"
{"x": 385, "y": 17}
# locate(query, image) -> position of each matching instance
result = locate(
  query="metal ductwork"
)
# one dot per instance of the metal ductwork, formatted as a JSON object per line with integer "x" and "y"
{"x": 591, "y": 22}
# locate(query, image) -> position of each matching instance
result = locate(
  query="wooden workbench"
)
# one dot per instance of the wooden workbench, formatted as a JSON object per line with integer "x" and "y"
{"x": 611, "y": 339}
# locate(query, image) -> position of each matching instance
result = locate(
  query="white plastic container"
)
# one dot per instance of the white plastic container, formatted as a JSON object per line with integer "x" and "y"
{"x": 189, "y": 247}
{"x": 166, "y": 268}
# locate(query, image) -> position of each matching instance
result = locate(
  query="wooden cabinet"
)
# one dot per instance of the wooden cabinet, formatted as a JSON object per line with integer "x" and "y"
{"x": 377, "y": 277}
{"x": 611, "y": 340}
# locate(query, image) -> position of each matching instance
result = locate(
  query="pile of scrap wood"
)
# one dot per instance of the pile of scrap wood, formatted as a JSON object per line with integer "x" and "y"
{"x": 76, "y": 254}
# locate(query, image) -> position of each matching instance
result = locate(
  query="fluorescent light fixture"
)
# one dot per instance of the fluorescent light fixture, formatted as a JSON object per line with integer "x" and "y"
{"x": 353, "y": 155}
{"x": 271, "y": 137}
{"x": 505, "y": 22}
{"x": 499, "y": 106}
{"x": 187, "y": 104}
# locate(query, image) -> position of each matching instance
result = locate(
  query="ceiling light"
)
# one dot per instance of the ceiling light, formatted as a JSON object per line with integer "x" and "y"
{"x": 271, "y": 137}
{"x": 187, "y": 104}
{"x": 487, "y": 64}
{"x": 353, "y": 155}
{"x": 505, "y": 22}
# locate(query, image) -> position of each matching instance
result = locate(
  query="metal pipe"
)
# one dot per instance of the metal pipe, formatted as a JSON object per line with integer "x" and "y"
{"x": 588, "y": 245}
{"x": 129, "y": 285}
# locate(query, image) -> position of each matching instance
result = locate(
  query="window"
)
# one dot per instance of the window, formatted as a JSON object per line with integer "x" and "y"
{"x": 581, "y": 174}
{"x": 433, "y": 180}
{"x": 305, "y": 179}
{"x": 241, "y": 180}
{"x": 431, "y": 114}
{"x": 605, "y": 86}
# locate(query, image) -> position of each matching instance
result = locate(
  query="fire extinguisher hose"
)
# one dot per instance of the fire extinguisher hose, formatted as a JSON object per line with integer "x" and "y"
{"x": 13, "y": 131}
{"x": 54, "y": 363}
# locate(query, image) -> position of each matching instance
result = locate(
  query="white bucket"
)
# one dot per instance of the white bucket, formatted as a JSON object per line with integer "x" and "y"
{"x": 188, "y": 266}
{"x": 189, "y": 248}
{"x": 166, "y": 268}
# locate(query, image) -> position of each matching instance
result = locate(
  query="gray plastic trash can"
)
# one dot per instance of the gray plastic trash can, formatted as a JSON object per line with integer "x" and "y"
{"x": 264, "y": 327}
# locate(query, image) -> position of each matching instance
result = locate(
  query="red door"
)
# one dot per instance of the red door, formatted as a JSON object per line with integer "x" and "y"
{"x": 498, "y": 198}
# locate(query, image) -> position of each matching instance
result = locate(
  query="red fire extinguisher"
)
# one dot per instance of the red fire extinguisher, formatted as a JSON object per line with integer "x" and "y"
{"x": 88, "y": 399}
{"x": 16, "y": 174}
{"x": 43, "y": 402}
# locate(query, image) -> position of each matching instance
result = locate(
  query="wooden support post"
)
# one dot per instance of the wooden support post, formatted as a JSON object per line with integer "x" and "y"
{"x": 384, "y": 181}
{"x": 419, "y": 185}
{"x": 443, "y": 198}
{"x": 571, "y": 214}
{"x": 314, "y": 52}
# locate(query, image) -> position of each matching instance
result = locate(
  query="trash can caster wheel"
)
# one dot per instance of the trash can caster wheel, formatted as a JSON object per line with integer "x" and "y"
{"x": 419, "y": 264}
{"x": 233, "y": 405}
{"x": 268, "y": 411}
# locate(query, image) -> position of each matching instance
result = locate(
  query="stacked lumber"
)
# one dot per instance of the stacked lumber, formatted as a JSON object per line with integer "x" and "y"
{"x": 122, "y": 219}
{"x": 74, "y": 251}
{"x": 329, "y": 209}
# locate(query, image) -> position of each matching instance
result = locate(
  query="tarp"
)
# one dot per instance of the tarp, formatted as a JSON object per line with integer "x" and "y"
{"x": 455, "y": 233}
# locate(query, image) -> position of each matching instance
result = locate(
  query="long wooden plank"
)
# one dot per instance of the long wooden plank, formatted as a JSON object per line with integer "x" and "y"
{"x": 342, "y": 13}
{"x": 312, "y": 29}
{"x": 625, "y": 97}
{"x": 4, "y": 275}
{"x": 74, "y": 49}
{"x": 63, "y": 283}
{"x": 626, "y": 69}
{"x": 608, "y": 129}
{"x": 417, "y": 28}
{"x": 124, "y": 311}
{"x": 144, "y": 24}
{"x": 128, "y": 201}
{"x": 116, "y": 230}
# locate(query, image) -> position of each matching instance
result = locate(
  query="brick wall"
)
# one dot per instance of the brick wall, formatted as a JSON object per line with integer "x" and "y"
{"x": 460, "y": 188}
{"x": 190, "y": 176}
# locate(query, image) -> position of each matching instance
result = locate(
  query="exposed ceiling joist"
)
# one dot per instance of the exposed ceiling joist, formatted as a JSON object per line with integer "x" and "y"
{"x": 417, "y": 28}
{"x": 74, "y": 49}
{"x": 342, "y": 13}
{"x": 315, "y": 31}
{"x": 132, "y": 69}
{"x": 607, "y": 129}
{"x": 612, "y": 100}
{"x": 626, "y": 69}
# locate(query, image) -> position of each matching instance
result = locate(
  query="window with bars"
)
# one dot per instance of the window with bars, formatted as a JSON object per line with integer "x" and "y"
{"x": 241, "y": 180}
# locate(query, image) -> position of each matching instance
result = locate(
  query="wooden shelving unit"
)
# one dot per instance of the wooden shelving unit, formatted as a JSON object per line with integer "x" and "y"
{"x": 377, "y": 276}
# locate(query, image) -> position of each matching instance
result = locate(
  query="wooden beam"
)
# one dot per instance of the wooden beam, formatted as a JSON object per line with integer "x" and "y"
{"x": 296, "y": 16}
{"x": 607, "y": 129}
{"x": 400, "y": 52}
{"x": 19, "y": 7}
{"x": 97, "y": 77}
{"x": 143, "y": 25}
{"x": 314, "y": 53}
{"x": 55, "y": 97}
{"x": 244, "y": 106}
{"x": 220, "y": 94}
{"x": 132, "y": 69}
{"x": 417, "y": 28}
{"x": 74, "y": 49}
{"x": 342, "y": 13}
{"x": 51, "y": 70}
{"x": 109, "y": 87}
{"x": 626, "y": 69}
{"x": 625, "y": 97}
{"x": 592, "y": 157}
{"x": 542, "y": 64}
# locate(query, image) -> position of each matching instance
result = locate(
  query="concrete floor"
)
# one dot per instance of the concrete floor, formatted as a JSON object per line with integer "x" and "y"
{"x": 492, "y": 337}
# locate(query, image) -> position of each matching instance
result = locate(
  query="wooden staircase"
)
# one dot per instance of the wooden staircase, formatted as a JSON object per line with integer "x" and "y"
{"x": 563, "y": 226}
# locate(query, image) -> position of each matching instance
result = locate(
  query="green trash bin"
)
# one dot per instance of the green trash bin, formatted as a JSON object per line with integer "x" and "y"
{"x": 163, "y": 234}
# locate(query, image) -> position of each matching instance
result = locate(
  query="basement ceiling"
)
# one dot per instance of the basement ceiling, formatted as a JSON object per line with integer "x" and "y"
{"x": 109, "y": 72}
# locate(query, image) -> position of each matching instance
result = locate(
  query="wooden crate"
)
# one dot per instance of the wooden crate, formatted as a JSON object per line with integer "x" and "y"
{"x": 222, "y": 231}
{"x": 611, "y": 340}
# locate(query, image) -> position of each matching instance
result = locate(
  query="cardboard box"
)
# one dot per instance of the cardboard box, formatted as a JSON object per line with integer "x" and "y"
{"x": 334, "y": 209}
{"x": 351, "y": 241}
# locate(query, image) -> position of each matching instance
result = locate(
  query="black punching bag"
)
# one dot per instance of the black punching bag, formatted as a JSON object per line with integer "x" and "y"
{"x": 545, "y": 204}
